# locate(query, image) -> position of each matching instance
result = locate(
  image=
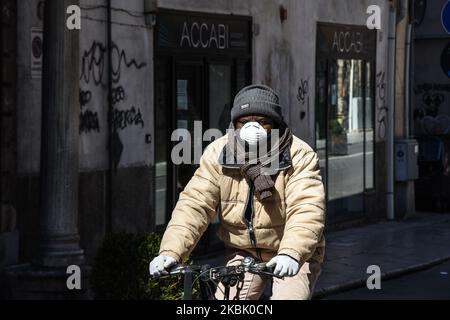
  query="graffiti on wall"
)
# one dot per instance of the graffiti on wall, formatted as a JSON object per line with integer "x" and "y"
{"x": 303, "y": 97}
{"x": 117, "y": 95}
{"x": 383, "y": 107}
{"x": 93, "y": 63}
{"x": 119, "y": 58}
{"x": 125, "y": 118}
{"x": 429, "y": 116}
{"x": 85, "y": 97}
{"x": 88, "y": 119}
{"x": 93, "y": 73}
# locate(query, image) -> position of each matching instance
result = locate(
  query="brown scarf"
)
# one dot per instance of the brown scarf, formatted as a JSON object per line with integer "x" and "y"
{"x": 263, "y": 183}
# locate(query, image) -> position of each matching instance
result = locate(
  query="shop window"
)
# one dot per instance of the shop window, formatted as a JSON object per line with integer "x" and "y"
{"x": 344, "y": 116}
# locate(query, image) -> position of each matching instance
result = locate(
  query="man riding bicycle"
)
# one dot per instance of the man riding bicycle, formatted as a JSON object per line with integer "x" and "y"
{"x": 265, "y": 185}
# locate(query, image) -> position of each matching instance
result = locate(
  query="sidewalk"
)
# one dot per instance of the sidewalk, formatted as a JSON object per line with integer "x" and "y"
{"x": 397, "y": 247}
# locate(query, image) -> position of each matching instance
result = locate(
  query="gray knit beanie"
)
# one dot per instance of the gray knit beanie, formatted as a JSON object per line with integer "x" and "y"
{"x": 257, "y": 99}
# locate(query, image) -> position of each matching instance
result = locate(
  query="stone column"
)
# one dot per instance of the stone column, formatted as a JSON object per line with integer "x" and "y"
{"x": 59, "y": 244}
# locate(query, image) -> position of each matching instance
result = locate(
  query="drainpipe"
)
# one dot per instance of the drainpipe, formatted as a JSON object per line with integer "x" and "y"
{"x": 390, "y": 114}
{"x": 410, "y": 57}
{"x": 407, "y": 80}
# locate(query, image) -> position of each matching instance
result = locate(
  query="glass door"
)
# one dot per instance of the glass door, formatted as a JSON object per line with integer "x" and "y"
{"x": 345, "y": 139}
{"x": 163, "y": 117}
{"x": 188, "y": 90}
{"x": 344, "y": 134}
{"x": 189, "y": 109}
{"x": 220, "y": 102}
{"x": 179, "y": 101}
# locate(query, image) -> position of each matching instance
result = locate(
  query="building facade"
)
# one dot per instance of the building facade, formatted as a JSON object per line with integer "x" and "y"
{"x": 430, "y": 96}
{"x": 328, "y": 67}
{"x": 147, "y": 68}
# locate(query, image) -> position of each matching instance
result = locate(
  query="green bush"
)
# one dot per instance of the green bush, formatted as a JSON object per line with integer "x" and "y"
{"x": 120, "y": 270}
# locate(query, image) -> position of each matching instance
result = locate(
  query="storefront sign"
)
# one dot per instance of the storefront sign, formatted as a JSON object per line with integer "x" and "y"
{"x": 196, "y": 32}
{"x": 204, "y": 35}
{"x": 345, "y": 41}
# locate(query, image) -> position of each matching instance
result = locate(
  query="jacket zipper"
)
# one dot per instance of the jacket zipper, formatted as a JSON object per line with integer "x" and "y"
{"x": 250, "y": 228}
{"x": 248, "y": 223}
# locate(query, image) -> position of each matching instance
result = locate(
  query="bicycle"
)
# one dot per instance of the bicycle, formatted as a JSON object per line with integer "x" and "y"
{"x": 211, "y": 277}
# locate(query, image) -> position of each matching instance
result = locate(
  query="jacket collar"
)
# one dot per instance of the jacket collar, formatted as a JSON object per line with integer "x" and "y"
{"x": 229, "y": 161}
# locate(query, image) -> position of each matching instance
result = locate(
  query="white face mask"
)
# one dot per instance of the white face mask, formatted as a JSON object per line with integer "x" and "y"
{"x": 252, "y": 133}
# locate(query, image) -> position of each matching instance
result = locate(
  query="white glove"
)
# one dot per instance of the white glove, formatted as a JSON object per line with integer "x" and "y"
{"x": 159, "y": 265}
{"x": 285, "y": 265}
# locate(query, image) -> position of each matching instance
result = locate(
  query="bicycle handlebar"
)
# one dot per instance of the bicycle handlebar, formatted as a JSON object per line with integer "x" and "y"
{"x": 248, "y": 265}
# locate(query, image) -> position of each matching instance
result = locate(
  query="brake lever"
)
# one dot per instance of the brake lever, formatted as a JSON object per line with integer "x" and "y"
{"x": 268, "y": 273}
{"x": 261, "y": 268}
{"x": 176, "y": 269}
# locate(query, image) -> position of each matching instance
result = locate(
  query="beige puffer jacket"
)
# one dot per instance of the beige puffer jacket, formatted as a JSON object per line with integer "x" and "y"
{"x": 290, "y": 222}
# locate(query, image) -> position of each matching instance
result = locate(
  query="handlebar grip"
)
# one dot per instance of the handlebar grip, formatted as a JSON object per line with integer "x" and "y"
{"x": 262, "y": 268}
{"x": 175, "y": 269}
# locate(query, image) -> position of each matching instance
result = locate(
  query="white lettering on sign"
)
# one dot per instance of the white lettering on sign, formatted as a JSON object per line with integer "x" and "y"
{"x": 194, "y": 26}
{"x": 203, "y": 27}
{"x": 349, "y": 41}
{"x": 204, "y": 35}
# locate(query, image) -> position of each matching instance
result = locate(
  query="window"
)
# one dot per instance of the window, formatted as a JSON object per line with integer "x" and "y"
{"x": 344, "y": 117}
